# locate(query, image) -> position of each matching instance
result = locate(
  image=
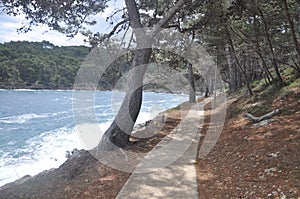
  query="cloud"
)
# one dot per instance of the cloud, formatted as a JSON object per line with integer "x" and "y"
{"x": 10, "y": 24}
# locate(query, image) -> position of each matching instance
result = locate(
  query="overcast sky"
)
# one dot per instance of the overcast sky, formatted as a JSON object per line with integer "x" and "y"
{"x": 10, "y": 24}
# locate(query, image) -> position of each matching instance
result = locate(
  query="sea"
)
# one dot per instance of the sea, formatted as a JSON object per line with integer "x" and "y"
{"x": 37, "y": 127}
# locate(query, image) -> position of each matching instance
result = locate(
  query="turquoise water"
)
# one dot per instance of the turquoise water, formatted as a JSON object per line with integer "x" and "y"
{"x": 37, "y": 127}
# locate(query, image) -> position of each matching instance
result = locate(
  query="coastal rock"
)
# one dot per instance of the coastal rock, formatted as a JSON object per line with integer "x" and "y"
{"x": 17, "y": 182}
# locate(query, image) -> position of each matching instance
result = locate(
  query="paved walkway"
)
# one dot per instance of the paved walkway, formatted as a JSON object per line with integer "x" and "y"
{"x": 168, "y": 170}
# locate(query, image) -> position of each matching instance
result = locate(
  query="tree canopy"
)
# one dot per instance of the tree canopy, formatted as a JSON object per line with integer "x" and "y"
{"x": 64, "y": 16}
{"x": 250, "y": 40}
{"x": 39, "y": 65}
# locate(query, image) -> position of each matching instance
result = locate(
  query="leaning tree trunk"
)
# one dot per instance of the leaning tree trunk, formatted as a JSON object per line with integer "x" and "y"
{"x": 119, "y": 132}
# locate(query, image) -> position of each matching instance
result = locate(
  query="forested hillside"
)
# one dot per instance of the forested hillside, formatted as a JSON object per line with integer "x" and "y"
{"x": 251, "y": 41}
{"x": 39, "y": 65}
{"x": 256, "y": 47}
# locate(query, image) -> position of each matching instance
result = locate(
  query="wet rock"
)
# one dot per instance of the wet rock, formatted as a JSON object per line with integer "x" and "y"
{"x": 76, "y": 153}
{"x": 68, "y": 154}
{"x": 22, "y": 180}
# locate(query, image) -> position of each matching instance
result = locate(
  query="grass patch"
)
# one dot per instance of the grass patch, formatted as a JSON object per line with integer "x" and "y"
{"x": 233, "y": 113}
{"x": 259, "y": 110}
{"x": 287, "y": 90}
{"x": 286, "y": 111}
{"x": 269, "y": 93}
{"x": 179, "y": 107}
{"x": 294, "y": 84}
{"x": 173, "y": 109}
{"x": 288, "y": 74}
{"x": 258, "y": 85}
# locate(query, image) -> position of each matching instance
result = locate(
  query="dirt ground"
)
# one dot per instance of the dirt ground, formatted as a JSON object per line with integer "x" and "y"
{"x": 249, "y": 162}
{"x": 246, "y": 162}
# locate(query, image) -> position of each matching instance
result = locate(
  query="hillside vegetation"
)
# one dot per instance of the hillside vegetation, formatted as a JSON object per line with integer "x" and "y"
{"x": 39, "y": 65}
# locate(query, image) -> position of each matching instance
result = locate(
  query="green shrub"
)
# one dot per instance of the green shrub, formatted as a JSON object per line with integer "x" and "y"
{"x": 233, "y": 113}
{"x": 259, "y": 110}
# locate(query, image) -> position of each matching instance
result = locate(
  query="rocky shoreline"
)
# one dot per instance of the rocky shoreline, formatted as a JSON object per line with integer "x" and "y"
{"x": 82, "y": 171}
{"x": 6, "y": 86}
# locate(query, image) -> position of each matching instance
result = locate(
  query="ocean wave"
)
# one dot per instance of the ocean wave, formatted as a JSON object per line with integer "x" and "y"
{"x": 48, "y": 150}
{"x": 59, "y": 113}
{"x": 13, "y": 142}
{"x": 23, "y": 89}
{"x": 40, "y": 153}
{"x": 45, "y": 148}
{"x": 24, "y": 118}
{"x": 20, "y": 119}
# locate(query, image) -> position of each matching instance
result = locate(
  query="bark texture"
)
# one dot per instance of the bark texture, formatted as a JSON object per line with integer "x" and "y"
{"x": 264, "y": 117}
{"x": 119, "y": 132}
{"x": 192, "y": 95}
{"x": 292, "y": 27}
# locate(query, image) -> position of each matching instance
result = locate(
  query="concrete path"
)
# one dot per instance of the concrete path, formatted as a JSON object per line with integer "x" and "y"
{"x": 168, "y": 170}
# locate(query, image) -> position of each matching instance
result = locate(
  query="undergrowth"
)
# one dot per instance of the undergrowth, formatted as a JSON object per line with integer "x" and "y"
{"x": 265, "y": 94}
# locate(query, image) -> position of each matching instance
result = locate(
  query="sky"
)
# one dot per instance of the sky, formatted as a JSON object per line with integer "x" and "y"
{"x": 10, "y": 24}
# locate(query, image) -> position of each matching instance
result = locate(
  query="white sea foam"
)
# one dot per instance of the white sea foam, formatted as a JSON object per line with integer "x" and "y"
{"x": 58, "y": 113}
{"x": 20, "y": 119}
{"x": 26, "y": 90}
{"x": 43, "y": 152}
{"x": 23, "y": 118}
{"x": 13, "y": 142}
{"x": 48, "y": 150}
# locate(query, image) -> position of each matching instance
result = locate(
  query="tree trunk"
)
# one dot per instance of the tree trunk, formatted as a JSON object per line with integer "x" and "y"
{"x": 276, "y": 68}
{"x": 265, "y": 68}
{"x": 248, "y": 66}
{"x": 206, "y": 91}
{"x": 239, "y": 75}
{"x": 232, "y": 73}
{"x": 120, "y": 130}
{"x": 292, "y": 27}
{"x": 259, "y": 53}
{"x": 192, "y": 95}
{"x": 264, "y": 117}
{"x": 238, "y": 63}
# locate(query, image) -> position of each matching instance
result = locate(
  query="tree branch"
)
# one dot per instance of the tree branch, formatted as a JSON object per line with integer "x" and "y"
{"x": 170, "y": 14}
{"x": 264, "y": 117}
{"x": 133, "y": 13}
{"x": 114, "y": 29}
{"x": 114, "y": 13}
